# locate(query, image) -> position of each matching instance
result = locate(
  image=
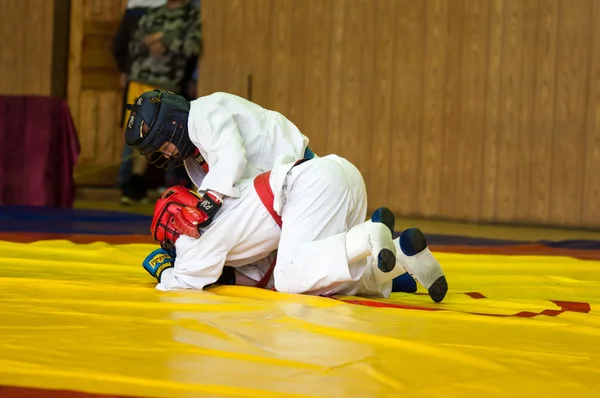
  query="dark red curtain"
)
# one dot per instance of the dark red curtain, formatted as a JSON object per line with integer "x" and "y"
{"x": 38, "y": 152}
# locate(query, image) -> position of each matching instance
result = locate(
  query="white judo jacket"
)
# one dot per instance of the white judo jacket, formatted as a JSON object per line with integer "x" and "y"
{"x": 243, "y": 235}
{"x": 238, "y": 139}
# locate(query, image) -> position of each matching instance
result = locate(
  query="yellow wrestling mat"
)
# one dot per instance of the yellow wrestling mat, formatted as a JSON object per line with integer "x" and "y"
{"x": 85, "y": 317}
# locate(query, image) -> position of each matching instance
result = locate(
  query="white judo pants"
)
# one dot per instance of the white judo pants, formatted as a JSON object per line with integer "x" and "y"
{"x": 325, "y": 198}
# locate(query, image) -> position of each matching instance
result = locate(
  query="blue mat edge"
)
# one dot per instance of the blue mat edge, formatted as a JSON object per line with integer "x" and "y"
{"x": 26, "y": 219}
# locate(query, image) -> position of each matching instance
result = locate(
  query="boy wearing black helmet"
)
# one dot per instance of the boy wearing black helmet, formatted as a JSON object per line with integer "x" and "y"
{"x": 220, "y": 139}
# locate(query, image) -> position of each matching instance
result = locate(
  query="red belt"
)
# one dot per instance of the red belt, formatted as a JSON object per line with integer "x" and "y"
{"x": 265, "y": 193}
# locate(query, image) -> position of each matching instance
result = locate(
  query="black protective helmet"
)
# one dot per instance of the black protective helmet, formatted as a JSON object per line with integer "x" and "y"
{"x": 166, "y": 116}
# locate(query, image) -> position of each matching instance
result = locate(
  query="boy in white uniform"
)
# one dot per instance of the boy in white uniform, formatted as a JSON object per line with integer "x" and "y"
{"x": 313, "y": 214}
{"x": 220, "y": 138}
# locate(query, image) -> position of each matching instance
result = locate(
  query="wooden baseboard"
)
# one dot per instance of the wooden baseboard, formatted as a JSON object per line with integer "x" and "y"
{"x": 98, "y": 194}
{"x": 105, "y": 194}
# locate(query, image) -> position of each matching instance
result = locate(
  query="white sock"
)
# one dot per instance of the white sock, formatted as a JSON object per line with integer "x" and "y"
{"x": 422, "y": 266}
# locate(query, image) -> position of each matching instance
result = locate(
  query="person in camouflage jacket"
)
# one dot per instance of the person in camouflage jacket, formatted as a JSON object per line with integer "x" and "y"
{"x": 163, "y": 52}
{"x": 166, "y": 39}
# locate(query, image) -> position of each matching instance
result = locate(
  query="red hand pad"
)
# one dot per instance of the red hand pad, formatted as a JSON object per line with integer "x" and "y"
{"x": 187, "y": 221}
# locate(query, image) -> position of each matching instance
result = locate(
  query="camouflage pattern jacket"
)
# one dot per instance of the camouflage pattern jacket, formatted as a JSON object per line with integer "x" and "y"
{"x": 182, "y": 40}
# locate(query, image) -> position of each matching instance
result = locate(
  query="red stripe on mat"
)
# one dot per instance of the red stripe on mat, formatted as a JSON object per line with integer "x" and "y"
{"x": 24, "y": 392}
{"x": 565, "y": 306}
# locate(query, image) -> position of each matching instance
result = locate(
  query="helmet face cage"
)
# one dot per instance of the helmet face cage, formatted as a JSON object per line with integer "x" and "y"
{"x": 174, "y": 132}
{"x": 168, "y": 125}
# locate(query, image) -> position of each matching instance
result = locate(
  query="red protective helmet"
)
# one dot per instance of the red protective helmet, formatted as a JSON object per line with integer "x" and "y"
{"x": 175, "y": 213}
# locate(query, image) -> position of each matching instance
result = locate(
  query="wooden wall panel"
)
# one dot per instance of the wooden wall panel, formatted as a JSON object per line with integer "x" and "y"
{"x": 475, "y": 28}
{"x": 299, "y": 48}
{"x": 231, "y": 35}
{"x": 378, "y": 155}
{"x": 407, "y": 94}
{"x": 489, "y": 176}
{"x": 281, "y": 55}
{"x": 26, "y": 55}
{"x": 94, "y": 95}
{"x": 480, "y": 110}
{"x": 356, "y": 105}
{"x": 365, "y": 81}
{"x": 257, "y": 49}
{"x": 450, "y": 135}
{"x": 511, "y": 83}
{"x": 544, "y": 106}
{"x": 432, "y": 150}
{"x": 575, "y": 34}
{"x": 331, "y": 119}
{"x": 591, "y": 196}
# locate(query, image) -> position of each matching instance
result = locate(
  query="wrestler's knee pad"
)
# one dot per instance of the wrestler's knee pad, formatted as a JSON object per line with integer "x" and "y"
{"x": 404, "y": 283}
